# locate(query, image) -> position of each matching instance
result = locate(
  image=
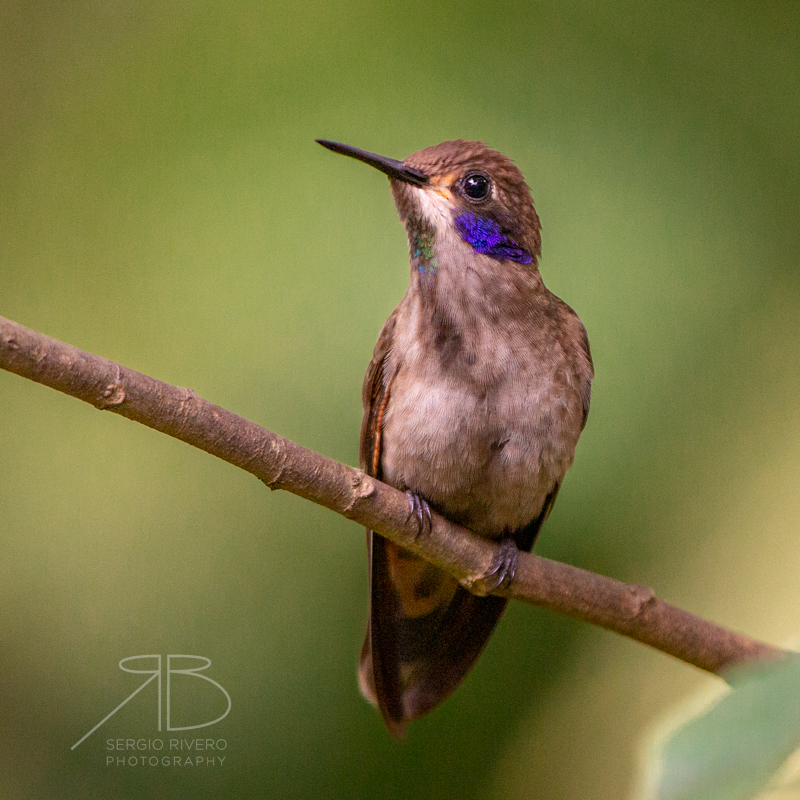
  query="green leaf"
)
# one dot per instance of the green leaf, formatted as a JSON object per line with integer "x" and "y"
{"x": 732, "y": 750}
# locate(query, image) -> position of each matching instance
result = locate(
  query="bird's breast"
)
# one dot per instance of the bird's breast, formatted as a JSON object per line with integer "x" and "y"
{"x": 485, "y": 454}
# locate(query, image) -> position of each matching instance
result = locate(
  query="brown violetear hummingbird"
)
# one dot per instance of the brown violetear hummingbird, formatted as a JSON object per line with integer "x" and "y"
{"x": 474, "y": 400}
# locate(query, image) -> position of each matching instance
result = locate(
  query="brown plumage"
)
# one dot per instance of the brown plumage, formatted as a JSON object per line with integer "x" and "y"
{"x": 474, "y": 400}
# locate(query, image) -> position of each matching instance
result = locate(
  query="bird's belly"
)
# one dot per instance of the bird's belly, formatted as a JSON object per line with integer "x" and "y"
{"x": 488, "y": 459}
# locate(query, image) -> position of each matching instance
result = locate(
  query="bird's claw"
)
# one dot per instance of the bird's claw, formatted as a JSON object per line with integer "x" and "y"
{"x": 418, "y": 507}
{"x": 502, "y": 571}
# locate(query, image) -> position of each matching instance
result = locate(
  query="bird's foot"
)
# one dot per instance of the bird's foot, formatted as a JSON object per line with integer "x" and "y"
{"x": 418, "y": 507}
{"x": 501, "y": 572}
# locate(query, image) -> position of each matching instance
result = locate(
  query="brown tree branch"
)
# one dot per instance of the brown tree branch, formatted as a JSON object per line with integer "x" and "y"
{"x": 633, "y": 611}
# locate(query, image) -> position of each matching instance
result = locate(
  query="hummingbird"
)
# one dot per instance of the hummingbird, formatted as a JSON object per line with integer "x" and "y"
{"x": 476, "y": 394}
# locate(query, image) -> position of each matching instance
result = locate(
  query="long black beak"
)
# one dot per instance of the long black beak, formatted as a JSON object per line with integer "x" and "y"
{"x": 391, "y": 166}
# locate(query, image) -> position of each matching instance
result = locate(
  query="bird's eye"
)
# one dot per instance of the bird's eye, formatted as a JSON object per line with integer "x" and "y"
{"x": 477, "y": 186}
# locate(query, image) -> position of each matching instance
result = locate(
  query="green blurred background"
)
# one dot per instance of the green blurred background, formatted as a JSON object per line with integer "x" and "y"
{"x": 163, "y": 204}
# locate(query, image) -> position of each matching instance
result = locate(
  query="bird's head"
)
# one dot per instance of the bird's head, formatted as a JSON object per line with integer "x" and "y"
{"x": 464, "y": 187}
